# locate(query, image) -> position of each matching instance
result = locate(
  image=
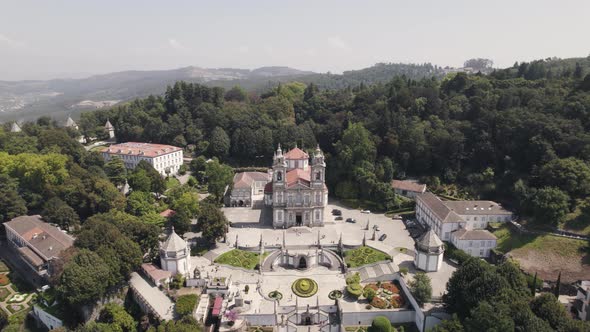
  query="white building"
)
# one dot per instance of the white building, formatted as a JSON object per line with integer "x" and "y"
{"x": 298, "y": 193}
{"x": 15, "y": 128}
{"x": 110, "y": 129}
{"x": 246, "y": 186}
{"x": 166, "y": 159}
{"x": 408, "y": 188}
{"x": 582, "y": 301}
{"x": 475, "y": 242}
{"x": 446, "y": 217}
{"x": 429, "y": 252}
{"x": 175, "y": 255}
{"x": 48, "y": 311}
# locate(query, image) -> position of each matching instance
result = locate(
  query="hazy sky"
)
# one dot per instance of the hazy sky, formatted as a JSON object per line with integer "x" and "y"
{"x": 47, "y": 39}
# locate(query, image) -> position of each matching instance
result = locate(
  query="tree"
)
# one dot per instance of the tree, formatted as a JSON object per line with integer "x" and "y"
{"x": 369, "y": 293}
{"x": 380, "y": 324}
{"x": 140, "y": 203}
{"x": 219, "y": 176}
{"x": 515, "y": 278}
{"x": 236, "y": 94}
{"x": 479, "y": 64}
{"x": 485, "y": 317}
{"x": 557, "y": 286}
{"x": 12, "y": 204}
{"x": 549, "y": 205}
{"x": 140, "y": 181}
{"x": 449, "y": 325}
{"x": 212, "y": 223}
{"x": 570, "y": 175}
{"x": 185, "y": 304}
{"x": 58, "y": 212}
{"x": 219, "y": 143}
{"x": 117, "y": 318}
{"x": 421, "y": 288}
{"x": 116, "y": 171}
{"x": 546, "y": 307}
{"x": 84, "y": 279}
{"x": 181, "y": 221}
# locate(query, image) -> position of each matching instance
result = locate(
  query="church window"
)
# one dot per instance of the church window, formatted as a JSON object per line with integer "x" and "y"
{"x": 318, "y": 176}
{"x": 279, "y": 215}
{"x": 279, "y": 176}
{"x": 317, "y": 215}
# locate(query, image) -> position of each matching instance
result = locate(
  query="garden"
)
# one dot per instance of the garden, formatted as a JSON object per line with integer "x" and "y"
{"x": 304, "y": 287}
{"x": 363, "y": 256}
{"x": 380, "y": 295}
{"x": 240, "y": 258}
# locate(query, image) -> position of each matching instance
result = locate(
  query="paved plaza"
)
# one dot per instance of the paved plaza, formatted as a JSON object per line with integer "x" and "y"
{"x": 249, "y": 224}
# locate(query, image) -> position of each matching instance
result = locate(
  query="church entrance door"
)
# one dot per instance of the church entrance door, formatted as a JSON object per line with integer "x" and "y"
{"x": 298, "y": 220}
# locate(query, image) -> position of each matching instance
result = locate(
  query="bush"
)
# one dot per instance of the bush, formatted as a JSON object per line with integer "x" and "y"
{"x": 355, "y": 290}
{"x": 369, "y": 293}
{"x": 451, "y": 252}
{"x": 246, "y": 289}
{"x": 182, "y": 169}
{"x": 185, "y": 304}
{"x": 304, "y": 287}
{"x": 353, "y": 279}
{"x": 404, "y": 271}
{"x": 335, "y": 294}
{"x": 380, "y": 324}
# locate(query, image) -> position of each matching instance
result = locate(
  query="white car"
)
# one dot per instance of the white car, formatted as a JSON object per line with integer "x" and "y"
{"x": 366, "y": 211}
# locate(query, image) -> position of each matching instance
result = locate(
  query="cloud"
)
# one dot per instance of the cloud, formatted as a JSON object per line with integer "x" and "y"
{"x": 338, "y": 43}
{"x": 243, "y": 49}
{"x": 310, "y": 52}
{"x": 175, "y": 44}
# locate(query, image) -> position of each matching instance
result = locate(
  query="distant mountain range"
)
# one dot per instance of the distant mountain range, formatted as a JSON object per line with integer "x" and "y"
{"x": 58, "y": 98}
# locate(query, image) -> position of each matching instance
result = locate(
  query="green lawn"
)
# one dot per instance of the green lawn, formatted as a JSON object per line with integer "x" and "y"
{"x": 98, "y": 148}
{"x": 576, "y": 222}
{"x": 240, "y": 258}
{"x": 363, "y": 256}
{"x": 509, "y": 240}
{"x": 172, "y": 182}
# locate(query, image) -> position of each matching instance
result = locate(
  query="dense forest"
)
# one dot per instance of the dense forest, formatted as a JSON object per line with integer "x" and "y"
{"x": 518, "y": 135}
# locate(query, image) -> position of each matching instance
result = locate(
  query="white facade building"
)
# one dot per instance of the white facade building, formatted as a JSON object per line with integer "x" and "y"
{"x": 175, "y": 255}
{"x": 166, "y": 159}
{"x": 446, "y": 217}
{"x": 429, "y": 252}
{"x": 476, "y": 242}
{"x": 408, "y": 188}
{"x": 298, "y": 193}
{"x": 582, "y": 301}
{"x": 246, "y": 187}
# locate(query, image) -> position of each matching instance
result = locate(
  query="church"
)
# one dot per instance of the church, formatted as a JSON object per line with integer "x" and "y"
{"x": 297, "y": 193}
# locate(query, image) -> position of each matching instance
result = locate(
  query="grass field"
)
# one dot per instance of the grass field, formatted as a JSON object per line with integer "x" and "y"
{"x": 240, "y": 258}
{"x": 98, "y": 148}
{"x": 363, "y": 256}
{"x": 576, "y": 222}
{"x": 546, "y": 254}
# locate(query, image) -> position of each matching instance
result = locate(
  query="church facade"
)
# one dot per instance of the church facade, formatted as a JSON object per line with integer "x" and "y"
{"x": 297, "y": 193}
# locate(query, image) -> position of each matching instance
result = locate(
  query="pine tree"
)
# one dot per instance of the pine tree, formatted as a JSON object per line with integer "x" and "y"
{"x": 534, "y": 285}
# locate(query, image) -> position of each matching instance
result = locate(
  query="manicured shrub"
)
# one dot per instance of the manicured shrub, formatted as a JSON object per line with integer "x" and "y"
{"x": 369, "y": 293}
{"x": 304, "y": 287}
{"x": 355, "y": 290}
{"x": 380, "y": 324}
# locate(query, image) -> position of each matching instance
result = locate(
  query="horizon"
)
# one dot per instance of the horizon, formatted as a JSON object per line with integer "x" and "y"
{"x": 65, "y": 38}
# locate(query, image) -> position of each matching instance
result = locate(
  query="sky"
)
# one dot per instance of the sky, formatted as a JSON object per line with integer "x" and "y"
{"x": 72, "y": 38}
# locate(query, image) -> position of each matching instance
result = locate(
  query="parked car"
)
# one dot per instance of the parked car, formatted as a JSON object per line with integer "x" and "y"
{"x": 366, "y": 211}
{"x": 382, "y": 237}
{"x": 351, "y": 220}
{"x": 338, "y": 218}
{"x": 336, "y": 212}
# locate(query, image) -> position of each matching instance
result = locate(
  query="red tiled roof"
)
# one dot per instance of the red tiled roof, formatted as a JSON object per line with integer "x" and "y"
{"x": 296, "y": 153}
{"x": 155, "y": 273}
{"x": 408, "y": 185}
{"x": 217, "y": 306}
{"x": 167, "y": 213}
{"x": 140, "y": 149}
{"x": 298, "y": 174}
{"x": 245, "y": 179}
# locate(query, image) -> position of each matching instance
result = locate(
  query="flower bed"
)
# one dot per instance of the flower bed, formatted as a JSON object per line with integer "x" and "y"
{"x": 239, "y": 258}
{"x": 379, "y": 303}
{"x": 397, "y": 301}
{"x": 3, "y": 293}
{"x": 4, "y": 280}
{"x": 363, "y": 256}
{"x": 304, "y": 287}
{"x": 17, "y": 298}
{"x": 390, "y": 287}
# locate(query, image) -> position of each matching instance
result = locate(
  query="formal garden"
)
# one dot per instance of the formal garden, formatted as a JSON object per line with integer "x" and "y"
{"x": 304, "y": 287}
{"x": 380, "y": 295}
{"x": 15, "y": 294}
{"x": 240, "y": 258}
{"x": 363, "y": 256}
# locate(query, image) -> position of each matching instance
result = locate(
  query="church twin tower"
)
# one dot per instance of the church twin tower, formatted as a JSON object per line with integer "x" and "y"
{"x": 298, "y": 194}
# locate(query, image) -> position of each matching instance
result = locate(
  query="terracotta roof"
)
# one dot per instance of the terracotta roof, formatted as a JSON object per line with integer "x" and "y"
{"x": 476, "y": 207}
{"x": 408, "y": 185}
{"x": 245, "y": 179}
{"x": 298, "y": 174}
{"x": 48, "y": 241}
{"x": 140, "y": 149}
{"x": 296, "y": 153}
{"x": 475, "y": 234}
{"x": 155, "y": 273}
{"x": 173, "y": 243}
{"x": 167, "y": 213}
